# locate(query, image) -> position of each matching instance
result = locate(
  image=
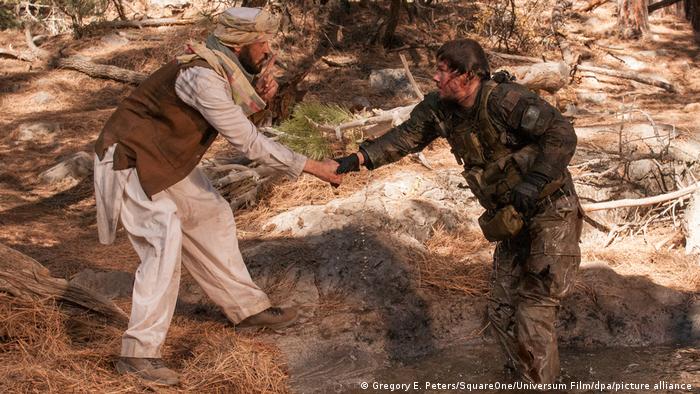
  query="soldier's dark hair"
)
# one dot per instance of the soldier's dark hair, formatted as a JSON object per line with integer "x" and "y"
{"x": 465, "y": 55}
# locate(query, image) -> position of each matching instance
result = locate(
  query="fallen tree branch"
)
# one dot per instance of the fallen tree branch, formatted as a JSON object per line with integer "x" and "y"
{"x": 418, "y": 45}
{"x": 32, "y": 54}
{"x": 591, "y": 5}
{"x": 596, "y": 225}
{"x": 416, "y": 88}
{"x": 92, "y": 69}
{"x": 508, "y": 56}
{"x": 599, "y": 70}
{"x": 238, "y": 182}
{"x": 629, "y": 75}
{"x": 38, "y": 52}
{"x": 339, "y": 61}
{"x": 661, "y": 4}
{"x": 386, "y": 116}
{"x": 140, "y": 37}
{"x": 558, "y": 21}
{"x": 23, "y": 56}
{"x": 25, "y": 278}
{"x": 639, "y": 202}
{"x": 147, "y": 23}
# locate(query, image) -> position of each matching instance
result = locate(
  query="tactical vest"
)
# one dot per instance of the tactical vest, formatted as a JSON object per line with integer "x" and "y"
{"x": 491, "y": 169}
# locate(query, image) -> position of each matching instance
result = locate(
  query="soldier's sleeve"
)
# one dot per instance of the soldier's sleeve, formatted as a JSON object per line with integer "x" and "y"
{"x": 537, "y": 122}
{"x": 410, "y": 136}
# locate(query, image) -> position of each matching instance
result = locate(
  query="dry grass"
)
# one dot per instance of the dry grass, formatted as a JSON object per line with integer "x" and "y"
{"x": 670, "y": 268}
{"x": 307, "y": 190}
{"x": 225, "y": 362}
{"x": 455, "y": 262}
{"x": 43, "y": 349}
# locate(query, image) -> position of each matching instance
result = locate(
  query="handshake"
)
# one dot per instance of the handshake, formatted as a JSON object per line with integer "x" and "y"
{"x": 332, "y": 170}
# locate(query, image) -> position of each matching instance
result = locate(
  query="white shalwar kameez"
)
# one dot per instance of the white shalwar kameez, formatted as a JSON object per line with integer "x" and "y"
{"x": 188, "y": 222}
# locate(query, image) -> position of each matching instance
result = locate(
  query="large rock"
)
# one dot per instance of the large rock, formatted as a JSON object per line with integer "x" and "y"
{"x": 38, "y": 132}
{"x": 42, "y": 98}
{"x": 692, "y": 108}
{"x": 548, "y": 76}
{"x": 114, "y": 40}
{"x": 409, "y": 204}
{"x": 111, "y": 284}
{"x": 592, "y": 97}
{"x": 75, "y": 167}
{"x": 390, "y": 80}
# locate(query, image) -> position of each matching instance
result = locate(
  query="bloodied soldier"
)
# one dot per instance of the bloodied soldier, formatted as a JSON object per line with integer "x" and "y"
{"x": 515, "y": 149}
{"x": 146, "y": 177}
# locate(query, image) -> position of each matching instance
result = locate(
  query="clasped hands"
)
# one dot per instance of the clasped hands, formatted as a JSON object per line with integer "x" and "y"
{"x": 332, "y": 170}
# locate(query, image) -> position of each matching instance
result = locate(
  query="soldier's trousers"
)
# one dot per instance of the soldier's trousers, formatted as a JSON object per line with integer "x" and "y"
{"x": 531, "y": 273}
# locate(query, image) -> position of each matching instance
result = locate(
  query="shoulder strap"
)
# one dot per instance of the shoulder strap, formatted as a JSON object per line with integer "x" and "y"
{"x": 488, "y": 133}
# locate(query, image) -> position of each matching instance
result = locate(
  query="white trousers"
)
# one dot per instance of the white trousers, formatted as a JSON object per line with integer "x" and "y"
{"x": 190, "y": 223}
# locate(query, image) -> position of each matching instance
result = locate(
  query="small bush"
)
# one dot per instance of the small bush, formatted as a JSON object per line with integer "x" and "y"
{"x": 301, "y": 133}
{"x": 8, "y": 19}
{"x": 514, "y": 27}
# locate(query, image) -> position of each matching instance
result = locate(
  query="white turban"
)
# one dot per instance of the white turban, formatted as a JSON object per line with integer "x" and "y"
{"x": 242, "y": 25}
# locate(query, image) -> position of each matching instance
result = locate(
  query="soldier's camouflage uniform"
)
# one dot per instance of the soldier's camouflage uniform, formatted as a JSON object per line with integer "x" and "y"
{"x": 535, "y": 268}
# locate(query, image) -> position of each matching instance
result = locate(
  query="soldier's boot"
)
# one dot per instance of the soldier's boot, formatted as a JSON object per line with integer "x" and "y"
{"x": 150, "y": 369}
{"x": 273, "y": 317}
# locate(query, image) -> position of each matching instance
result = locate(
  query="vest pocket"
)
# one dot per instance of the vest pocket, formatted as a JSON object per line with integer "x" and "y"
{"x": 502, "y": 224}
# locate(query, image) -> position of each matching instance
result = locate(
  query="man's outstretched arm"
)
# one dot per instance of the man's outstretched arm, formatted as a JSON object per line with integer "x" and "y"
{"x": 409, "y": 137}
{"x": 208, "y": 93}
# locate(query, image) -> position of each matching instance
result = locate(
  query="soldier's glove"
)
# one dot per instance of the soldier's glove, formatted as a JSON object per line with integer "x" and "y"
{"x": 525, "y": 194}
{"x": 525, "y": 198}
{"x": 349, "y": 163}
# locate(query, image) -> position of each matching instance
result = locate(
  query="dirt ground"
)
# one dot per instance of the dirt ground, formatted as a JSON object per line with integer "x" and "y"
{"x": 394, "y": 295}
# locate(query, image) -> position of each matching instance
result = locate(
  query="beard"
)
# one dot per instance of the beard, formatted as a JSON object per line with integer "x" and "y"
{"x": 249, "y": 65}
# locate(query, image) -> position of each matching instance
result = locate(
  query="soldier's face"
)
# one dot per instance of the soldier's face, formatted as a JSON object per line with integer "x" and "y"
{"x": 255, "y": 56}
{"x": 447, "y": 81}
{"x": 452, "y": 85}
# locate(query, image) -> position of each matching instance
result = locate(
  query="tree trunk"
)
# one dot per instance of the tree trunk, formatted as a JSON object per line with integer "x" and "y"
{"x": 692, "y": 13}
{"x": 392, "y": 23}
{"x": 666, "y": 5}
{"x": 84, "y": 65}
{"x": 633, "y": 18}
{"x": 120, "y": 9}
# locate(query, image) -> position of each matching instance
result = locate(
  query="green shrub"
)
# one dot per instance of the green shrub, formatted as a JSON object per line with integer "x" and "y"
{"x": 301, "y": 133}
{"x": 8, "y": 18}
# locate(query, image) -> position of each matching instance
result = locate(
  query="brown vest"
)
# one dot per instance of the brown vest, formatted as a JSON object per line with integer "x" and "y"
{"x": 156, "y": 132}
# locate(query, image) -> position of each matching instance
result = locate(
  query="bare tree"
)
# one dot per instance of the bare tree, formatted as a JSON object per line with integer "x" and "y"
{"x": 633, "y": 18}
{"x": 392, "y": 23}
{"x": 692, "y": 12}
